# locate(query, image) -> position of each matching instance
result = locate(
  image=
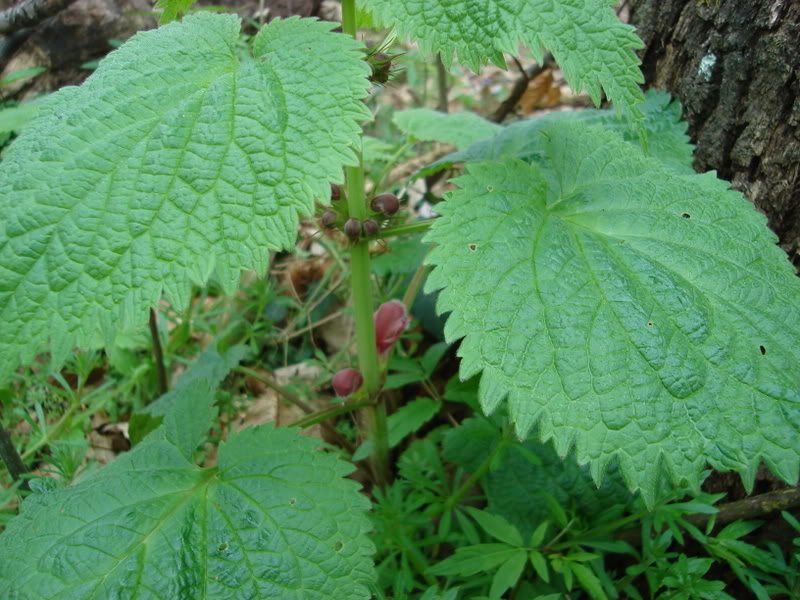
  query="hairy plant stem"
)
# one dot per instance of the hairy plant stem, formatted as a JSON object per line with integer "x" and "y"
{"x": 360, "y": 284}
{"x": 406, "y": 228}
{"x": 328, "y": 413}
{"x": 158, "y": 353}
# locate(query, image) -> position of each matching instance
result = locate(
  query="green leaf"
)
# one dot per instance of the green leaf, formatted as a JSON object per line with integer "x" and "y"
{"x": 209, "y": 369}
{"x": 469, "y": 560}
{"x": 175, "y": 159}
{"x": 274, "y": 519}
{"x": 508, "y": 574}
{"x": 460, "y": 129}
{"x": 589, "y": 582}
{"x": 496, "y": 526}
{"x": 791, "y": 520}
{"x": 537, "y": 537}
{"x": 376, "y": 150}
{"x": 19, "y": 74}
{"x": 173, "y": 9}
{"x": 15, "y": 118}
{"x": 403, "y": 255}
{"x": 629, "y": 311}
{"x": 540, "y": 565}
{"x": 666, "y": 136}
{"x": 404, "y": 422}
{"x": 141, "y": 424}
{"x": 592, "y": 47}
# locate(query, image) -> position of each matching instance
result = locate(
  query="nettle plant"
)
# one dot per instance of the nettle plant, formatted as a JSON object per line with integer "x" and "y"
{"x": 632, "y": 311}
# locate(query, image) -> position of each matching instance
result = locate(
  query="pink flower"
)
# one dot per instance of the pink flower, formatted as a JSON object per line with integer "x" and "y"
{"x": 347, "y": 381}
{"x": 391, "y": 320}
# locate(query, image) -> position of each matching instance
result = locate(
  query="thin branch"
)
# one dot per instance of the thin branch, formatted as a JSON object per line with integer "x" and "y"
{"x": 754, "y": 507}
{"x": 12, "y": 459}
{"x": 508, "y": 105}
{"x": 292, "y": 398}
{"x": 30, "y": 13}
{"x": 158, "y": 353}
{"x": 441, "y": 82}
{"x": 301, "y": 404}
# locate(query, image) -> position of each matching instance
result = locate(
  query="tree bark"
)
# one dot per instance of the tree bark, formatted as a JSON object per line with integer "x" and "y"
{"x": 735, "y": 68}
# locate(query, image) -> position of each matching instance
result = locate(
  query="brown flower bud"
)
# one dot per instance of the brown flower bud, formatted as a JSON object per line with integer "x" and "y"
{"x": 388, "y": 204}
{"x": 328, "y": 219}
{"x": 352, "y": 228}
{"x": 336, "y": 192}
{"x": 371, "y": 227}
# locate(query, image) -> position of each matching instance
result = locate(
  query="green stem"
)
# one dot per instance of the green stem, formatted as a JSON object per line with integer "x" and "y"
{"x": 475, "y": 477}
{"x": 415, "y": 556}
{"x": 389, "y": 165}
{"x": 406, "y": 228}
{"x": 54, "y": 433}
{"x": 349, "y": 17}
{"x": 413, "y": 287}
{"x": 329, "y": 413}
{"x": 158, "y": 354}
{"x": 360, "y": 283}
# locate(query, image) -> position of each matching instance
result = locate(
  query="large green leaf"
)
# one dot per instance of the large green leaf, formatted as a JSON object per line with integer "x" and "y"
{"x": 461, "y": 129}
{"x": 174, "y": 159}
{"x": 627, "y": 310}
{"x": 274, "y": 519}
{"x": 666, "y": 135}
{"x": 593, "y": 48}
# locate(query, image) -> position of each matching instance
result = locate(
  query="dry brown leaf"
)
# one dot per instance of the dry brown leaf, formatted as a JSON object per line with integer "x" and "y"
{"x": 541, "y": 93}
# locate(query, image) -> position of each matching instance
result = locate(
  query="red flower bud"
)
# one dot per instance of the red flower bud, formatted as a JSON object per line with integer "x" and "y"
{"x": 336, "y": 192}
{"x": 370, "y": 227}
{"x": 387, "y": 204}
{"x": 391, "y": 321}
{"x": 352, "y": 228}
{"x": 347, "y": 381}
{"x": 328, "y": 218}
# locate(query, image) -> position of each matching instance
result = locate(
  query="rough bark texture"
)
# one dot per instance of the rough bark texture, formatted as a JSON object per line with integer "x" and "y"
{"x": 735, "y": 68}
{"x": 75, "y": 35}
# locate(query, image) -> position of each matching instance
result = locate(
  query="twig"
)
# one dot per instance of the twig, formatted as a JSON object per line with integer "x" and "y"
{"x": 285, "y": 337}
{"x": 753, "y": 507}
{"x": 30, "y": 13}
{"x": 158, "y": 353}
{"x": 12, "y": 459}
{"x": 10, "y": 44}
{"x": 441, "y": 82}
{"x": 413, "y": 287}
{"x": 294, "y": 399}
{"x": 325, "y": 414}
{"x": 508, "y": 105}
{"x": 301, "y": 404}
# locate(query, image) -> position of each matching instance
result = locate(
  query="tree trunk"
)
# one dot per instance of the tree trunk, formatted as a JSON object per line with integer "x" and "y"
{"x": 735, "y": 68}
